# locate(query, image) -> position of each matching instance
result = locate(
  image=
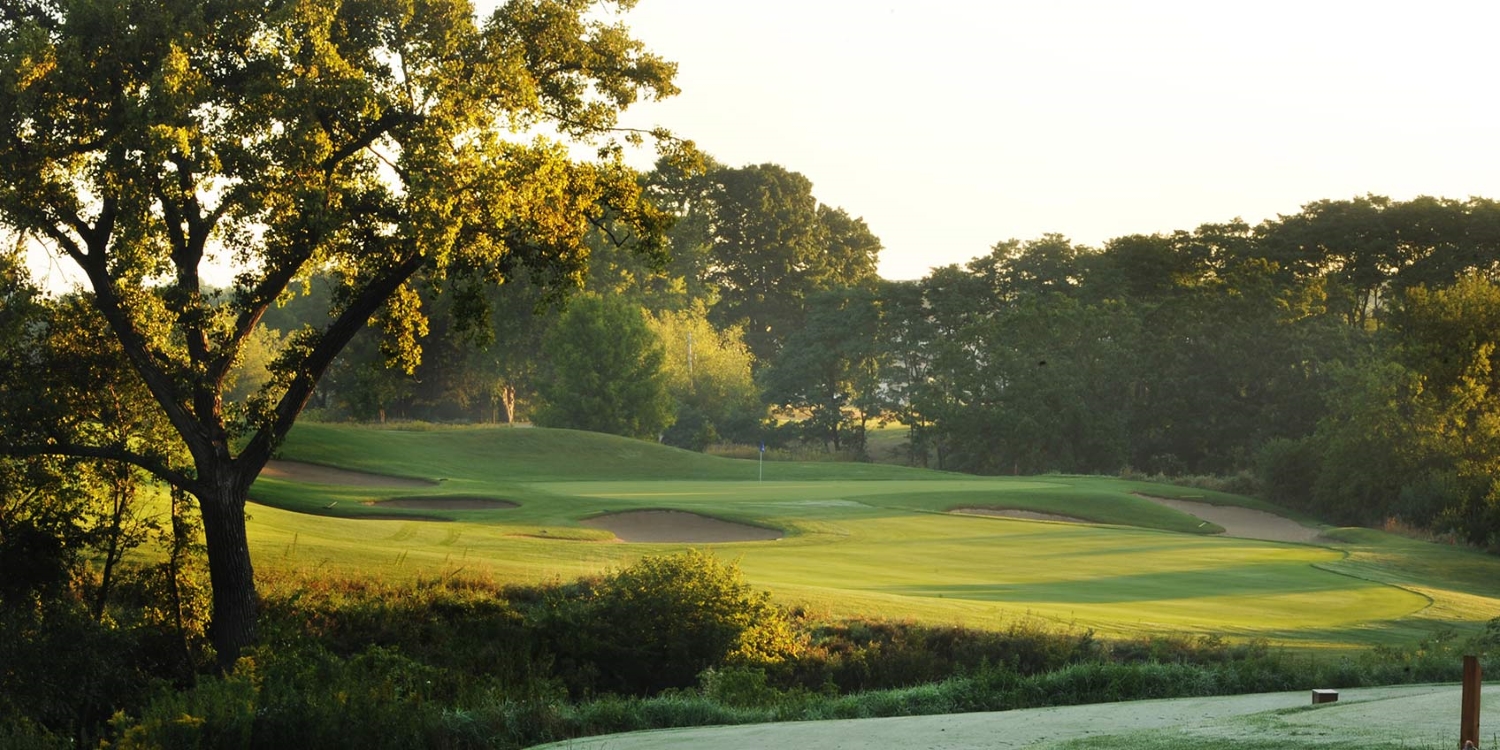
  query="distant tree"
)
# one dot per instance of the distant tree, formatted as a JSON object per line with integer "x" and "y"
{"x": 605, "y": 371}
{"x": 1047, "y": 265}
{"x": 484, "y": 352}
{"x": 906, "y": 348}
{"x": 708, "y": 376}
{"x": 1451, "y": 336}
{"x": 829, "y": 368}
{"x": 683, "y": 188}
{"x": 252, "y": 372}
{"x": 773, "y": 246}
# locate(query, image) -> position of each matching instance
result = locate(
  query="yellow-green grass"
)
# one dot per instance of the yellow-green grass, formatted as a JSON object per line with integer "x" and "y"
{"x": 864, "y": 540}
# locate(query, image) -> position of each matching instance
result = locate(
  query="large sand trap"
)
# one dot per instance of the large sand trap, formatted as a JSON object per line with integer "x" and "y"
{"x": 1029, "y": 515}
{"x": 444, "y": 503}
{"x": 677, "y": 526}
{"x": 296, "y": 471}
{"x": 1241, "y": 522}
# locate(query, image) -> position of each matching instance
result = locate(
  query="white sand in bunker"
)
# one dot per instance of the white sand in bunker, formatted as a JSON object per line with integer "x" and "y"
{"x": 1241, "y": 522}
{"x": 296, "y": 471}
{"x": 444, "y": 503}
{"x": 1029, "y": 515}
{"x": 675, "y": 526}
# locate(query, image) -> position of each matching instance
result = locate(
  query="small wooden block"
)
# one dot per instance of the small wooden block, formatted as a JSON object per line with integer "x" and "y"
{"x": 1325, "y": 696}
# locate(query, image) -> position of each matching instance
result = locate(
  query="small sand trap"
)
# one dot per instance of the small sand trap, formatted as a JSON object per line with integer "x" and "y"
{"x": 296, "y": 471}
{"x": 444, "y": 503}
{"x": 1241, "y": 522}
{"x": 1029, "y": 515}
{"x": 677, "y": 526}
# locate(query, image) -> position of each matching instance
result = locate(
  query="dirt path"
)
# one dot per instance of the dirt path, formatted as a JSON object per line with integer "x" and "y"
{"x": 296, "y": 471}
{"x": 1396, "y": 708}
{"x": 675, "y": 526}
{"x": 1241, "y": 522}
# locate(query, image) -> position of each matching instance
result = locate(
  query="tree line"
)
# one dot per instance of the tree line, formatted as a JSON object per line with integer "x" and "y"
{"x": 1343, "y": 356}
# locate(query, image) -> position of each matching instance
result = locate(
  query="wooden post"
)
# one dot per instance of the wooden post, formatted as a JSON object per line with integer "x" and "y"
{"x": 1469, "y": 731}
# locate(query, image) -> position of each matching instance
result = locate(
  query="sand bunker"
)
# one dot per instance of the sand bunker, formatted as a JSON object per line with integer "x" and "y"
{"x": 1241, "y": 522}
{"x": 296, "y": 471}
{"x": 1029, "y": 515}
{"x": 677, "y": 526}
{"x": 444, "y": 503}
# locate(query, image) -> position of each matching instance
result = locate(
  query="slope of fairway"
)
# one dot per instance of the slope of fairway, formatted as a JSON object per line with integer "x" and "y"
{"x": 1412, "y": 716}
{"x": 854, "y": 539}
{"x": 535, "y": 454}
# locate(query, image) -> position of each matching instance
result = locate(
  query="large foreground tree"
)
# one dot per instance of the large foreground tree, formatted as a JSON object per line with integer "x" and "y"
{"x": 384, "y": 141}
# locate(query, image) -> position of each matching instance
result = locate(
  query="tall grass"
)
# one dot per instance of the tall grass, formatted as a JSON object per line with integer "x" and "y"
{"x": 453, "y": 663}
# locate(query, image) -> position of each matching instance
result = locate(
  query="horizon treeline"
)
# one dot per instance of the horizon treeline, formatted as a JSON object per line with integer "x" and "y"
{"x": 1344, "y": 355}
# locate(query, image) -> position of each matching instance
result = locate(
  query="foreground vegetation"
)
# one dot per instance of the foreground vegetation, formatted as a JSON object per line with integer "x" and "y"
{"x": 671, "y": 641}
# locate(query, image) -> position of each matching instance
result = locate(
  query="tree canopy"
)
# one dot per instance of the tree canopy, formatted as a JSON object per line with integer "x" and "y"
{"x": 374, "y": 141}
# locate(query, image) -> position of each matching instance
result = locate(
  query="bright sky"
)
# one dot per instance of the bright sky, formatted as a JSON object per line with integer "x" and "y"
{"x": 950, "y": 125}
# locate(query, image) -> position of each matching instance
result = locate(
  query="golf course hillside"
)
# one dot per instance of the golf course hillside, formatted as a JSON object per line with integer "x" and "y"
{"x": 1122, "y": 558}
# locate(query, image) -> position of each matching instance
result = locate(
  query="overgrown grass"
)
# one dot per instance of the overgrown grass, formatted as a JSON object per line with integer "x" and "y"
{"x": 374, "y": 666}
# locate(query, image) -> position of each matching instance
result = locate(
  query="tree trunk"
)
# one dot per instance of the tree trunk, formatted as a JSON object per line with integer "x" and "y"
{"x": 235, "y": 601}
{"x": 508, "y": 400}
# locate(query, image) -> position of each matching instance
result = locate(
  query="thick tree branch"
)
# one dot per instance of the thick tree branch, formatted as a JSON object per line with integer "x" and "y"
{"x": 334, "y": 339}
{"x": 382, "y": 125}
{"x": 254, "y": 304}
{"x": 110, "y": 453}
{"x": 134, "y": 344}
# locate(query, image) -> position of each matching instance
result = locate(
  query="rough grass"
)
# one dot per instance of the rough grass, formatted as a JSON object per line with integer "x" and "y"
{"x": 867, "y": 539}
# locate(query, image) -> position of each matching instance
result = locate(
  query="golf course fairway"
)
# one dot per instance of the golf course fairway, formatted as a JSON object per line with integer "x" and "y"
{"x": 531, "y": 505}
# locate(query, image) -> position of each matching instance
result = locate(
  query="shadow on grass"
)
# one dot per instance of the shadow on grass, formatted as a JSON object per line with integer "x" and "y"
{"x": 1267, "y": 579}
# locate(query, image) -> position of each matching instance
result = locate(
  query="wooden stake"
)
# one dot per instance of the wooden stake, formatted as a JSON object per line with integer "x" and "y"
{"x": 1469, "y": 731}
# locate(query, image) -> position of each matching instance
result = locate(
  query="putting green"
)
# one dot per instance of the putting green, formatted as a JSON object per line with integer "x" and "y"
{"x": 860, "y": 539}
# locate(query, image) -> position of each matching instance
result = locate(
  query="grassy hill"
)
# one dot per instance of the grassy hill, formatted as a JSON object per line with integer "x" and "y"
{"x": 860, "y": 539}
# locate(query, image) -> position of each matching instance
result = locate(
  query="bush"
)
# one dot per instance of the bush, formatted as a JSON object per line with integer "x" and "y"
{"x": 303, "y": 697}
{"x": 659, "y": 623}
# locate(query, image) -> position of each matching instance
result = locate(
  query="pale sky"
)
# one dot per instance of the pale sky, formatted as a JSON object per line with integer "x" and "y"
{"x": 950, "y": 125}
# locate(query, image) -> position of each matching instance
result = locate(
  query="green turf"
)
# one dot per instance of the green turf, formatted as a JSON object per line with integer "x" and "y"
{"x": 863, "y": 539}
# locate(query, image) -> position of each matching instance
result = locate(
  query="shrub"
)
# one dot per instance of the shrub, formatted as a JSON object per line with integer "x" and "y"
{"x": 659, "y": 623}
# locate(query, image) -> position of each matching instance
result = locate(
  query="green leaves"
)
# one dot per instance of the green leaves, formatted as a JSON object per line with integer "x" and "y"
{"x": 379, "y": 140}
{"x": 606, "y": 371}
